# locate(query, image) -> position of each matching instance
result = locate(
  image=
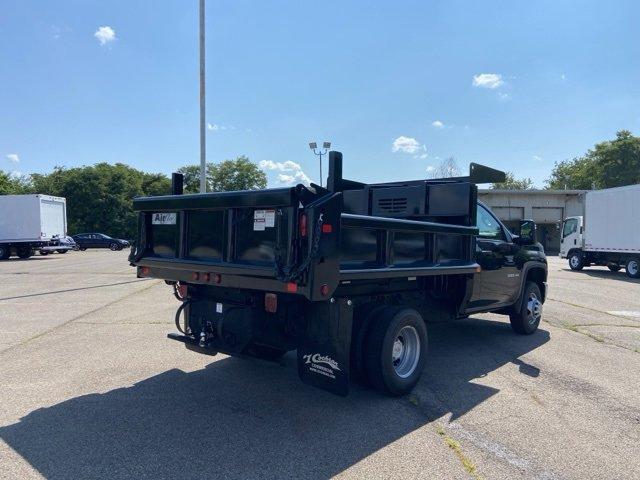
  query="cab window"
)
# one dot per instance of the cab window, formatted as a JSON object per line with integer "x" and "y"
{"x": 570, "y": 226}
{"x": 488, "y": 226}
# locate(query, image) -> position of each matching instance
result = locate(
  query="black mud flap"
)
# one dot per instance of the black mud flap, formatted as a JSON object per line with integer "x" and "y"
{"x": 324, "y": 350}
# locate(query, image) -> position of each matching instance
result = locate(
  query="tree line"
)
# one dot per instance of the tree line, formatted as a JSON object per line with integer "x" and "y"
{"x": 99, "y": 196}
{"x": 608, "y": 164}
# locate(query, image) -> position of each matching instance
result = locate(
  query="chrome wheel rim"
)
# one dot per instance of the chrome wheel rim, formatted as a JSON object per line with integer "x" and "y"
{"x": 632, "y": 267}
{"x": 405, "y": 353}
{"x": 575, "y": 261}
{"x": 534, "y": 309}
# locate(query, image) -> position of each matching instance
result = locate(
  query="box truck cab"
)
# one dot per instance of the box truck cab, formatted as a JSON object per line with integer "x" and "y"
{"x": 571, "y": 237}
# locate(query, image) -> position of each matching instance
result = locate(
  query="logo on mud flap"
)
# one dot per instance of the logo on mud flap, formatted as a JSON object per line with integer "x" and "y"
{"x": 322, "y": 364}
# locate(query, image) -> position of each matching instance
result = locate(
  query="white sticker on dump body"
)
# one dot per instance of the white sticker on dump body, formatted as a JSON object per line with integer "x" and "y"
{"x": 164, "y": 219}
{"x": 263, "y": 219}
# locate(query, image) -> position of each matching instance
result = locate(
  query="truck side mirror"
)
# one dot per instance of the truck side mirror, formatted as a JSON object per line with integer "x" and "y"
{"x": 527, "y": 233}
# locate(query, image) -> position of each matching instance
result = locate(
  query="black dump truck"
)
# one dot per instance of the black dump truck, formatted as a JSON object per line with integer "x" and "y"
{"x": 348, "y": 275}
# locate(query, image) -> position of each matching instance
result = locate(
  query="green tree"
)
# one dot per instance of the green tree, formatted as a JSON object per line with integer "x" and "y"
{"x": 238, "y": 174}
{"x": 192, "y": 178}
{"x": 14, "y": 185}
{"x": 609, "y": 164}
{"x": 99, "y": 197}
{"x": 512, "y": 183}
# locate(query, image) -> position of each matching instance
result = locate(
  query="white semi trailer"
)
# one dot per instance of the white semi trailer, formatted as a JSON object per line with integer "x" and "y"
{"x": 30, "y": 222}
{"x": 608, "y": 232}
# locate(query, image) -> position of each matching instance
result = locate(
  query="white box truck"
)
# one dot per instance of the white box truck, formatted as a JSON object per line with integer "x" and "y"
{"x": 30, "y": 222}
{"x": 608, "y": 232}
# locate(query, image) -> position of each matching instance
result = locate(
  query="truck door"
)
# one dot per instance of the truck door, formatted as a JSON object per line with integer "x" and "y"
{"x": 495, "y": 252}
{"x": 570, "y": 235}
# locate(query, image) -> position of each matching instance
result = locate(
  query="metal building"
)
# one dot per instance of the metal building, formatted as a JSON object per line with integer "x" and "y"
{"x": 546, "y": 207}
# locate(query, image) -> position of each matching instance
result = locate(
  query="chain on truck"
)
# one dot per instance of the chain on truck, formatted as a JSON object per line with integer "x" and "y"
{"x": 348, "y": 275}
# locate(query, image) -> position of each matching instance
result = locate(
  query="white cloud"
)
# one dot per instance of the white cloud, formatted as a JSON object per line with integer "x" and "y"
{"x": 13, "y": 158}
{"x": 407, "y": 145}
{"x": 105, "y": 35}
{"x": 213, "y": 127}
{"x": 291, "y": 172}
{"x": 437, "y": 124}
{"x": 504, "y": 96}
{"x": 430, "y": 168}
{"x": 488, "y": 80}
{"x": 563, "y": 77}
{"x": 537, "y": 158}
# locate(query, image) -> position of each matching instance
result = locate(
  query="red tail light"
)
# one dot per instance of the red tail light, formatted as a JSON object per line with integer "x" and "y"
{"x": 303, "y": 225}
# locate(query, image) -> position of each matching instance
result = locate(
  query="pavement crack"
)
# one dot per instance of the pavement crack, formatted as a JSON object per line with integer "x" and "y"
{"x": 57, "y": 327}
{"x": 591, "y": 309}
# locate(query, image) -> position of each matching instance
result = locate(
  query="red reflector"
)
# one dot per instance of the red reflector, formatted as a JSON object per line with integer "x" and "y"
{"x": 324, "y": 290}
{"x": 206, "y": 277}
{"x": 327, "y": 228}
{"x": 270, "y": 302}
{"x": 303, "y": 225}
{"x": 183, "y": 290}
{"x": 195, "y": 276}
{"x": 217, "y": 278}
{"x": 145, "y": 270}
{"x": 292, "y": 287}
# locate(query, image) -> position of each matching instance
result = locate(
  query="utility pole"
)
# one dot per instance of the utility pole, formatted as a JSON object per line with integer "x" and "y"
{"x": 203, "y": 129}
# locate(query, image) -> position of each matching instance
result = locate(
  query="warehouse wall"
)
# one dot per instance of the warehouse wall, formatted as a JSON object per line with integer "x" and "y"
{"x": 546, "y": 207}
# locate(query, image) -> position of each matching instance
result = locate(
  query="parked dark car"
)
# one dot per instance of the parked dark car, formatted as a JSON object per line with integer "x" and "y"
{"x": 99, "y": 240}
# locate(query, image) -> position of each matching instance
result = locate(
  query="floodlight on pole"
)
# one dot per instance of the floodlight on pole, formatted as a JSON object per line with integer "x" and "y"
{"x": 320, "y": 152}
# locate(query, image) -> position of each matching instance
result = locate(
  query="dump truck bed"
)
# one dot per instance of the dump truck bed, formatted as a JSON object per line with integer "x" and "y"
{"x": 297, "y": 240}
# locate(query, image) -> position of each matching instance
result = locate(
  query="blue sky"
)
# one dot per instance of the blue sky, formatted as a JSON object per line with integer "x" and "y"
{"x": 396, "y": 86}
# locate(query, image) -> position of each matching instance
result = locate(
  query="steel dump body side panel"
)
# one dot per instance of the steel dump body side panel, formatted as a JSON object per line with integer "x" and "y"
{"x": 251, "y": 198}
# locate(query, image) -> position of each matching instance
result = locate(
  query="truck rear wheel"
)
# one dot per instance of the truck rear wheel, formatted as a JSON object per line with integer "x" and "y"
{"x": 633, "y": 268}
{"x": 526, "y": 318}
{"x": 5, "y": 252}
{"x": 396, "y": 350}
{"x": 24, "y": 252}
{"x": 576, "y": 261}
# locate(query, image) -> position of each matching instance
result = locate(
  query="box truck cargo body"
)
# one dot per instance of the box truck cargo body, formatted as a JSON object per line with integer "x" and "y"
{"x": 608, "y": 232}
{"x": 28, "y": 222}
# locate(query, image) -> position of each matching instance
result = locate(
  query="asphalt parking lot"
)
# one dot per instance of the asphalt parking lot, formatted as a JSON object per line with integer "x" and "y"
{"x": 91, "y": 388}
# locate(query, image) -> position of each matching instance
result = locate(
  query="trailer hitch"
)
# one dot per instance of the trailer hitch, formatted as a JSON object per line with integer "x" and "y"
{"x": 192, "y": 344}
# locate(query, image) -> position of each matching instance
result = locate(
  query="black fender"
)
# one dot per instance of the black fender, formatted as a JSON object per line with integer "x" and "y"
{"x": 538, "y": 271}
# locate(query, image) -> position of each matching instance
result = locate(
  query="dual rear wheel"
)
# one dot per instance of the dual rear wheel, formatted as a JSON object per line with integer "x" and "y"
{"x": 389, "y": 347}
{"x": 389, "y": 343}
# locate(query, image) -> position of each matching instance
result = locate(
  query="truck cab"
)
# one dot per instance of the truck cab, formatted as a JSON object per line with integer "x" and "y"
{"x": 571, "y": 237}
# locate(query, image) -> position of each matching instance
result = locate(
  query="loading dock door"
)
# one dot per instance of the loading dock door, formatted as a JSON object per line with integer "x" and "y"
{"x": 547, "y": 214}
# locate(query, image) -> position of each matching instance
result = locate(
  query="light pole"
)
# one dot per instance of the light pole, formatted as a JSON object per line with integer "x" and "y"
{"x": 319, "y": 152}
{"x": 203, "y": 131}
